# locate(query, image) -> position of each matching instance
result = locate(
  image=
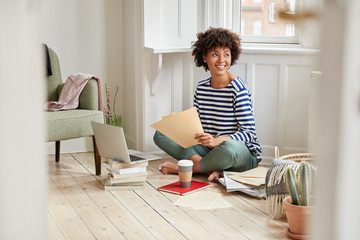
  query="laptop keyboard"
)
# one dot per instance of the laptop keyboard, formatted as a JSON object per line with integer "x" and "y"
{"x": 135, "y": 158}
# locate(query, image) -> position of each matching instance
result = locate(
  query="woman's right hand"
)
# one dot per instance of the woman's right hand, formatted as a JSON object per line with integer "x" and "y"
{"x": 205, "y": 139}
{"x": 208, "y": 140}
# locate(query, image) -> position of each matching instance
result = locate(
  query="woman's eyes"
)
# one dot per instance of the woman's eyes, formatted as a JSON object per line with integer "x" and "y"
{"x": 215, "y": 55}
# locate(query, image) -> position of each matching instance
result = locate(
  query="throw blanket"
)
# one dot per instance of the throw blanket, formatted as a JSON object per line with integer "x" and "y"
{"x": 275, "y": 186}
{"x": 69, "y": 96}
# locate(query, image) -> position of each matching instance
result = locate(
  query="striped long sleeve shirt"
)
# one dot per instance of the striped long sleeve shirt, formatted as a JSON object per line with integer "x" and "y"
{"x": 227, "y": 112}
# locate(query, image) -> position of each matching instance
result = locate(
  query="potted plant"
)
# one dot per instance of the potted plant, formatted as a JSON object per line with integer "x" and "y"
{"x": 298, "y": 205}
{"x": 111, "y": 117}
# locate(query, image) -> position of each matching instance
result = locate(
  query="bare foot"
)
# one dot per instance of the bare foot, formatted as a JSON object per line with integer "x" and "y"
{"x": 168, "y": 167}
{"x": 214, "y": 176}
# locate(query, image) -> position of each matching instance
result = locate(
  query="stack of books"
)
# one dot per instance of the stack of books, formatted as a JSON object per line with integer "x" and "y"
{"x": 124, "y": 176}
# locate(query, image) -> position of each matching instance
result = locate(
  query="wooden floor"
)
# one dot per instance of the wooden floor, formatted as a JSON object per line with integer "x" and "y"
{"x": 80, "y": 208}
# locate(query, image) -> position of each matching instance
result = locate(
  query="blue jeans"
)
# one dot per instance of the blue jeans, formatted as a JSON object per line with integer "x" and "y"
{"x": 230, "y": 155}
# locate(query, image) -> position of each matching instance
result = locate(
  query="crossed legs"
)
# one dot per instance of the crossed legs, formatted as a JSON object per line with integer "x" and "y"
{"x": 230, "y": 155}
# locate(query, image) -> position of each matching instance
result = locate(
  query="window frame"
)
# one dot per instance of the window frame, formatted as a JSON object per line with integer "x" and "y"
{"x": 270, "y": 39}
{"x": 227, "y": 14}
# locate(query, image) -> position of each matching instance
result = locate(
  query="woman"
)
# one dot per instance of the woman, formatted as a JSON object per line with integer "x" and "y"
{"x": 224, "y": 106}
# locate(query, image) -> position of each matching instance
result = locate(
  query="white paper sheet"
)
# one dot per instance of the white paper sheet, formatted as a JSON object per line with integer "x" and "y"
{"x": 203, "y": 200}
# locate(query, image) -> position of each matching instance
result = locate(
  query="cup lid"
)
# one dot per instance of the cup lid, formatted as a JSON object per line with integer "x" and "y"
{"x": 185, "y": 163}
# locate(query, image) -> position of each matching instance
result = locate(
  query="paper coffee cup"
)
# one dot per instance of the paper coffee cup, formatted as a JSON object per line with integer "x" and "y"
{"x": 185, "y": 172}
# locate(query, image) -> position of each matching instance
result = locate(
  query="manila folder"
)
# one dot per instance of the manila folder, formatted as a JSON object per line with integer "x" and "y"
{"x": 181, "y": 127}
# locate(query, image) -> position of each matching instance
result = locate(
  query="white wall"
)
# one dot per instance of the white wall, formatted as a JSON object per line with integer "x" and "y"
{"x": 133, "y": 74}
{"x": 87, "y": 37}
{"x": 23, "y": 183}
{"x": 76, "y": 31}
{"x": 279, "y": 82}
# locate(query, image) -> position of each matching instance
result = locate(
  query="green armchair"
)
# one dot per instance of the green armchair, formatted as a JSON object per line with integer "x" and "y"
{"x": 76, "y": 123}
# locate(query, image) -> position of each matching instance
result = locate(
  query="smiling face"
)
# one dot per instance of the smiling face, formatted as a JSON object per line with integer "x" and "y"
{"x": 218, "y": 60}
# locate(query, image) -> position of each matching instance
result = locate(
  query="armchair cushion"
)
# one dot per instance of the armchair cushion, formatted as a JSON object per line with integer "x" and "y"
{"x": 62, "y": 125}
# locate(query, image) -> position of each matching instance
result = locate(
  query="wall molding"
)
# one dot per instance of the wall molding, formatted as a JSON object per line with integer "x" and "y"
{"x": 268, "y": 78}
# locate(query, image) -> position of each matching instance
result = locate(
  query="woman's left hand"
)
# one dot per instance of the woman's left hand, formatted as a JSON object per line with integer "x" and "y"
{"x": 206, "y": 139}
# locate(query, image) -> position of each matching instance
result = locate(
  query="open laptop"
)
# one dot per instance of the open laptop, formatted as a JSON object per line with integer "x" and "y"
{"x": 111, "y": 143}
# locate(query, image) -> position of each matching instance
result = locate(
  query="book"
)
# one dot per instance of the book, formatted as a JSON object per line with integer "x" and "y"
{"x": 114, "y": 187}
{"x": 176, "y": 189}
{"x": 122, "y": 186}
{"x": 113, "y": 163}
{"x": 180, "y": 127}
{"x": 126, "y": 175}
{"x": 127, "y": 180}
{"x": 141, "y": 169}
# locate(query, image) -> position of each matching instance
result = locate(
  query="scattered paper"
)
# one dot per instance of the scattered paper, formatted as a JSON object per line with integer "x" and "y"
{"x": 203, "y": 200}
{"x": 254, "y": 177}
{"x": 231, "y": 186}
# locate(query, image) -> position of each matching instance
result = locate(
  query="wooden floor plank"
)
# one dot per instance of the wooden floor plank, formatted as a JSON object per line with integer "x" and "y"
{"x": 141, "y": 210}
{"x": 274, "y": 227}
{"x": 175, "y": 216}
{"x": 88, "y": 162}
{"x": 54, "y": 231}
{"x": 71, "y": 225}
{"x": 147, "y": 215}
{"x": 115, "y": 210}
{"x": 98, "y": 223}
{"x": 120, "y": 217}
{"x": 253, "y": 215}
{"x": 214, "y": 225}
{"x": 77, "y": 195}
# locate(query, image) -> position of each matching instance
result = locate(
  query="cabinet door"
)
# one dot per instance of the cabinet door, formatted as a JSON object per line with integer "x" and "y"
{"x": 169, "y": 23}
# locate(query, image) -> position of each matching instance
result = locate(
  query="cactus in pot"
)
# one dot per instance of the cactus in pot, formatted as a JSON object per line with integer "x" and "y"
{"x": 299, "y": 184}
{"x": 298, "y": 206}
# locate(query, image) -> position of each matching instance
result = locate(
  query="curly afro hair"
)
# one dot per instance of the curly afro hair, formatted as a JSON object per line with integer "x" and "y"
{"x": 212, "y": 38}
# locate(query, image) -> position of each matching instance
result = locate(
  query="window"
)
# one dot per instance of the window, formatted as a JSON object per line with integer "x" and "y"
{"x": 257, "y": 28}
{"x": 271, "y": 28}
{"x": 272, "y": 12}
{"x": 242, "y": 27}
{"x": 290, "y": 30}
{"x": 291, "y": 5}
{"x": 263, "y": 23}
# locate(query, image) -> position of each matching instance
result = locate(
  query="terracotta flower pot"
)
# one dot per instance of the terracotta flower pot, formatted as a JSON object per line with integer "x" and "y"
{"x": 298, "y": 217}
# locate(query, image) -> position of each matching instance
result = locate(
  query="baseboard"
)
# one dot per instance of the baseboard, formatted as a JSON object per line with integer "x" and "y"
{"x": 266, "y": 160}
{"x": 71, "y": 146}
{"x": 161, "y": 154}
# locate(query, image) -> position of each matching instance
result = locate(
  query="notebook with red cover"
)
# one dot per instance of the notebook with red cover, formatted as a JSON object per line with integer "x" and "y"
{"x": 176, "y": 189}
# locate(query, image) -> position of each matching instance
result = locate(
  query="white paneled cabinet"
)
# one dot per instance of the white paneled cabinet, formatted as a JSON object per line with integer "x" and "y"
{"x": 169, "y": 25}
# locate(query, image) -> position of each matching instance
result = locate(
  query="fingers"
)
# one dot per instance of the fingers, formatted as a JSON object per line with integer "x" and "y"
{"x": 214, "y": 176}
{"x": 203, "y": 137}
